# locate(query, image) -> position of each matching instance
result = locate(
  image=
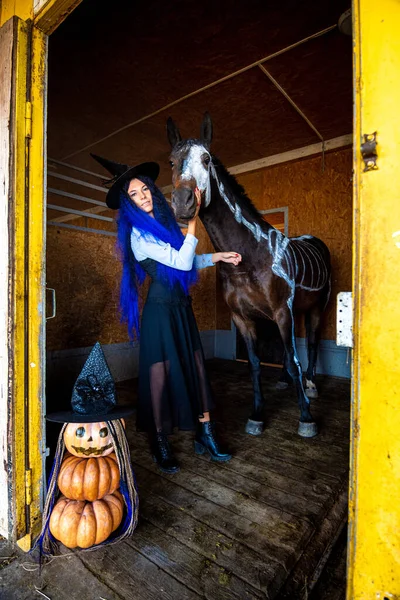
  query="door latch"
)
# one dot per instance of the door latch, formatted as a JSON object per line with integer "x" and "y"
{"x": 368, "y": 151}
{"x": 54, "y": 307}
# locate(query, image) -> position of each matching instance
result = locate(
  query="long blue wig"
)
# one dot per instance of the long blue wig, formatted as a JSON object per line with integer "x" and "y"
{"x": 164, "y": 229}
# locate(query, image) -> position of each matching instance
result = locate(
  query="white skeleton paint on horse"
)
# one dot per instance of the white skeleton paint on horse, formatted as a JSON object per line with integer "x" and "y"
{"x": 279, "y": 276}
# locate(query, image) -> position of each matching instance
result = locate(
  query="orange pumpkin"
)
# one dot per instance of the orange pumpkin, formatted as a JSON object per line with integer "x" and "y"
{"x": 89, "y": 439}
{"x": 88, "y": 478}
{"x": 84, "y": 524}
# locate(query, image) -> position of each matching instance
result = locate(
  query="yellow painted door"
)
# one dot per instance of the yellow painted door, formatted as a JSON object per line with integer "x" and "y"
{"x": 22, "y": 304}
{"x": 374, "y": 536}
{"x": 35, "y": 273}
{"x": 25, "y": 26}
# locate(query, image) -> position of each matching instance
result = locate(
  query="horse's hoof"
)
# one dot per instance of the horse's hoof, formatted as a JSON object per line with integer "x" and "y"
{"x": 307, "y": 430}
{"x": 281, "y": 385}
{"x": 254, "y": 427}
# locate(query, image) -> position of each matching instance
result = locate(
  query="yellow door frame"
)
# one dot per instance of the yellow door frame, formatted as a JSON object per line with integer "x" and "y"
{"x": 46, "y": 15}
{"x": 35, "y": 277}
{"x": 374, "y": 507}
{"x": 22, "y": 466}
{"x": 374, "y": 538}
{"x": 32, "y": 22}
{"x": 27, "y": 284}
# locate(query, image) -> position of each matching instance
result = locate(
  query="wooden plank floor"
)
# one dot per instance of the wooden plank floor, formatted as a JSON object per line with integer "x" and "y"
{"x": 332, "y": 583}
{"x": 260, "y": 526}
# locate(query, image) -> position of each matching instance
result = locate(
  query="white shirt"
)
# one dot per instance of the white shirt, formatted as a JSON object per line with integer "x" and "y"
{"x": 162, "y": 252}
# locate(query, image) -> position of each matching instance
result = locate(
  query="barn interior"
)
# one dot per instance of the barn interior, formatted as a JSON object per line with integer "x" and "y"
{"x": 276, "y": 78}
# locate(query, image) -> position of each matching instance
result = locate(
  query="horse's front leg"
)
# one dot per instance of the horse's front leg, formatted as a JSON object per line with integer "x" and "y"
{"x": 255, "y": 423}
{"x": 285, "y": 322}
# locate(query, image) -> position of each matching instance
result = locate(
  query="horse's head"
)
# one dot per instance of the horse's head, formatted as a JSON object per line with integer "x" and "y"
{"x": 190, "y": 160}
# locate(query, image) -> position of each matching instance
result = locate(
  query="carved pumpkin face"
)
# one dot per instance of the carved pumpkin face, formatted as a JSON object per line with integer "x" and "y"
{"x": 88, "y": 439}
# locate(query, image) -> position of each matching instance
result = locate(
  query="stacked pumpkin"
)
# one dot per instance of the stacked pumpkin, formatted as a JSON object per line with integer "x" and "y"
{"x": 91, "y": 507}
{"x": 92, "y": 465}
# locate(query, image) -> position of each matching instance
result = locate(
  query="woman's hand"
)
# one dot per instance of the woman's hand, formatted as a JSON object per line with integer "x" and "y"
{"x": 228, "y": 257}
{"x": 197, "y": 196}
{"x": 193, "y": 221}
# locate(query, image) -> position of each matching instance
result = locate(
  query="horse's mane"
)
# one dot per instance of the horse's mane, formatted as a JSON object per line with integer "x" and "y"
{"x": 238, "y": 192}
{"x": 231, "y": 185}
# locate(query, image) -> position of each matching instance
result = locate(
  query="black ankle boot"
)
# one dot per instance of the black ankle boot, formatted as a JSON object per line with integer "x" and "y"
{"x": 206, "y": 441}
{"x": 163, "y": 455}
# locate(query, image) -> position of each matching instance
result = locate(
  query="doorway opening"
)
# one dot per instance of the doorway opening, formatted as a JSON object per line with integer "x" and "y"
{"x": 113, "y": 81}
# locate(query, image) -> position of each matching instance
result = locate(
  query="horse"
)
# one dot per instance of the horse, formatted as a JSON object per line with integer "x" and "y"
{"x": 277, "y": 278}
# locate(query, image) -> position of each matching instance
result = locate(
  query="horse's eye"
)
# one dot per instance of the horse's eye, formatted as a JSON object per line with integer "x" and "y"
{"x": 171, "y": 163}
{"x": 80, "y": 432}
{"x": 206, "y": 159}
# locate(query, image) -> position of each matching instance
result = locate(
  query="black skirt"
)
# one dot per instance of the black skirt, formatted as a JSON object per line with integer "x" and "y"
{"x": 174, "y": 390}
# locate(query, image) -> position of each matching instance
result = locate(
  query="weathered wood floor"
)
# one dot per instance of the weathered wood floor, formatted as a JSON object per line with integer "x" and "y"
{"x": 260, "y": 526}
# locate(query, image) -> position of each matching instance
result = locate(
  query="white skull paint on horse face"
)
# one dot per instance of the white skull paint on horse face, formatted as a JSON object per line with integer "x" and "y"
{"x": 190, "y": 162}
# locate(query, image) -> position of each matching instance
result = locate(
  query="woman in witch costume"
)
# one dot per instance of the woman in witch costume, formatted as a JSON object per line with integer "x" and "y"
{"x": 173, "y": 386}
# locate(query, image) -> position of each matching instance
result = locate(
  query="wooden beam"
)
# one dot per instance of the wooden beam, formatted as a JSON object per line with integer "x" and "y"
{"x": 203, "y": 89}
{"x": 276, "y": 159}
{"x": 333, "y": 144}
{"x": 291, "y": 101}
{"x": 50, "y": 13}
{"x": 23, "y": 9}
{"x": 311, "y": 150}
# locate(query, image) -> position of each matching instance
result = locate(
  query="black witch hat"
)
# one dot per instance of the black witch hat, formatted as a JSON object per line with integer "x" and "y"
{"x": 94, "y": 395}
{"x": 123, "y": 173}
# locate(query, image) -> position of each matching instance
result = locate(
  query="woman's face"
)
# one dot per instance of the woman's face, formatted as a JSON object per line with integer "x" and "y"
{"x": 140, "y": 194}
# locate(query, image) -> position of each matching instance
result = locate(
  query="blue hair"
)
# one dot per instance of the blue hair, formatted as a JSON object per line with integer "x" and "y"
{"x": 164, "y": 228}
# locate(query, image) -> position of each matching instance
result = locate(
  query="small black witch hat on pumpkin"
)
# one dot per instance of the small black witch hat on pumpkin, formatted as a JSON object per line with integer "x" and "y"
{"x": 93, "y": 395}
{"x": 93, "y": 401}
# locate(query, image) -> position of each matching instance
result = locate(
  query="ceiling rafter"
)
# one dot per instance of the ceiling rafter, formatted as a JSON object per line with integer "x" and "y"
{"x": 257, "y": 63}
{"x": 291, "y": 101}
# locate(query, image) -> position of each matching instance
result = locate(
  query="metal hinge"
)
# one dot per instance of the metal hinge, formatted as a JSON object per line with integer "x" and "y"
{"x": 368, "y": 151}
{"x": 28, "y": 120}
{"x": 28, "y": 486}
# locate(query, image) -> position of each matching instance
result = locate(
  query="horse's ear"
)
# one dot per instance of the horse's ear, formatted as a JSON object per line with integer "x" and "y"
{"x": 206, "y": 130}
{"x": 173, "y": 133}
